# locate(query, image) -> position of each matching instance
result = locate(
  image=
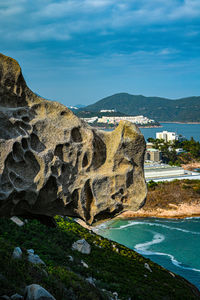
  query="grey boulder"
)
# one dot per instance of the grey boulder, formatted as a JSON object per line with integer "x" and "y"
{"x": 16, "y": 297}
{"x": 17, "y": 253}
{"x": 34, "y": 258}
{"x": 37, "y": 292}
{"x": 82, "y": 246}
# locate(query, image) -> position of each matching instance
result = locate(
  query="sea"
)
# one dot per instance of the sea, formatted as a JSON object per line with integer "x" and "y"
{"x": 173, "y": 244}
{"x": 186, "y": 130}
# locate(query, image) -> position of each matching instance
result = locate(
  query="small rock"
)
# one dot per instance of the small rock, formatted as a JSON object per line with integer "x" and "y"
{"x": 4, "y": 297}
{"x": 37, "y": 292}
{"x": 172, "y": 274}
{"x": 17, "y": 221}
{"x": 91, "y": 280}
{"x": 146, "y": 265}
{"x": 70, "y": 258}
{"x": 16, "y": 297}
{"x": 17, "y": 253}
{"x": 30, "y": 251}
{"x": 84, "y": 264}
{"x": 34, "y": 258}
{"x": 145, "y": 275}
{"x": 82, "y": 246}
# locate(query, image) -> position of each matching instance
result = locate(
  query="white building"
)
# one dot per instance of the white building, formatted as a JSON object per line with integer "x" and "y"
{"x": 133, "y": 119}
{"x": 90, "y": 120}
{"x": 108, "y": 110}
{"x": 162, "y": 172}
{"x": 167, "y": 136}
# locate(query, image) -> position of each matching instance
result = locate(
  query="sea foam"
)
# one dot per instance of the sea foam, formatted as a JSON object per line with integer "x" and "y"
{"x": 134, "y": 223}
{"x": 157, "y": 239}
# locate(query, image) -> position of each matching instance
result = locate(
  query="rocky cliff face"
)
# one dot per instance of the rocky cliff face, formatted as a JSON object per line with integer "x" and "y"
{"x": 51, "y": 162}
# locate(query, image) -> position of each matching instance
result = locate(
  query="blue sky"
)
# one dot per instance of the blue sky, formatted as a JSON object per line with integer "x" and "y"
{"x": 79, "y": 51}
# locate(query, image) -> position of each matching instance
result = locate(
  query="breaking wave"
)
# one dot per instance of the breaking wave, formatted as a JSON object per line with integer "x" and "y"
{"x": 134, "y": 223}
{"x": 158, "y": 238}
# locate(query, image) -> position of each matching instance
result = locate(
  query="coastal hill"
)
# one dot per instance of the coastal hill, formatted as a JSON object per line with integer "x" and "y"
{"x": 157, "y": 108}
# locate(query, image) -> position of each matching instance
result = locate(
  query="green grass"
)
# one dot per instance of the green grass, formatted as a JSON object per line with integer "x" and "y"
{"x": 114, "y": 267}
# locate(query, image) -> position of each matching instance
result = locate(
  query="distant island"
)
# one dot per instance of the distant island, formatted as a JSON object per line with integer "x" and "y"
{"x": 183, "y": 110}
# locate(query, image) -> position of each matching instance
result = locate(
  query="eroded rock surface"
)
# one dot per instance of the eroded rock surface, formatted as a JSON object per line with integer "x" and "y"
{"x": 51, "y": 162}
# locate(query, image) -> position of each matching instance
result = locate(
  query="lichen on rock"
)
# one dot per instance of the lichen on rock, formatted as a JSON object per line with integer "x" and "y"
{"x": 52, "y": 162}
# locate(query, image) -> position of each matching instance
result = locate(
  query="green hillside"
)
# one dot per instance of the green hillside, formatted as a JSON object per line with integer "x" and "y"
{"x": 89, "y": 114}
{"x": 70, "y": 275}
{"x": 159, "y": 109}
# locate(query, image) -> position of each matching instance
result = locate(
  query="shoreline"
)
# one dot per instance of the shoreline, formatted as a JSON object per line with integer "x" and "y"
{"x": 168, "y": 122}
{"x": 181, "y": 211}
{"x": 112, "y": 128}
{"x": 191, "y": 166}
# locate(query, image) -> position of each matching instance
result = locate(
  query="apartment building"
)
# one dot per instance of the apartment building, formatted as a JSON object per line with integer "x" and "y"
{"x": 134, "y": 119}
{"x": 167, "y": 136}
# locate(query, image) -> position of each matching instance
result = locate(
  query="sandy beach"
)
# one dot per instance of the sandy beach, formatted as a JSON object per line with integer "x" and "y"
{"x": 176, "y": 211}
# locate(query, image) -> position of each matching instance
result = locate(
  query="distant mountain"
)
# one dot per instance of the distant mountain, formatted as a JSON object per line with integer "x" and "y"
{"x": 80, "y": 105}
{"x": 89, "y": 114}
{"x": 157, "y": 108}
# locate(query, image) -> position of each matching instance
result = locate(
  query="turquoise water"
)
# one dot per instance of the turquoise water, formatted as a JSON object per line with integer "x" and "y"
{"x": 173, "y": 244}
{"x": 187, "y": 130}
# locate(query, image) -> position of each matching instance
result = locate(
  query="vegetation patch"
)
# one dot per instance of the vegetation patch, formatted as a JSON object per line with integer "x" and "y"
{"x": 111, "y": 267}
{"x": 190, "y": 151}
{"x": 163, "y": 194}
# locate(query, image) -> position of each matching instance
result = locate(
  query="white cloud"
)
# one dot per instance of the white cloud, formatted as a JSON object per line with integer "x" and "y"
{"x": 73, "y": 7}
{"x": 49, "y": 32}
{"x": 98, "y": 3}
{"x": 58, "y": 9}
{"x": 189, "y": 9}
{"x": 11, "y": 9}
{"x": 35, "y": 20}
{"x": 168, "y": 51}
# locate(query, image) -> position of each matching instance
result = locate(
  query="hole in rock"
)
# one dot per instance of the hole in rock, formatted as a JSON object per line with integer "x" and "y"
{"x": 76, "y": 135}
{"x": 85, "y": 160}
{"x": 64, "y": 113}
{"x": 35, "y": 143}
{"x": 88, "y": 197}
{"x": 17, "y": 152}
{"x": 25, "y": 119}
{"x": 59, "y": 151}
{"x": 24, "y": 143}
{"x": 99, "y": 152}
{"x": 129, "y": 179}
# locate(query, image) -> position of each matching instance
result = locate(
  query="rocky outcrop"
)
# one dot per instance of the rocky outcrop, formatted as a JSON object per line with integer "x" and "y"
{"x": 51, "y": 162}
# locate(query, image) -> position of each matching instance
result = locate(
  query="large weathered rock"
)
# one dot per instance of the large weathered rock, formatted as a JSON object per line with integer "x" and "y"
{"x": 51, "y": 162}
